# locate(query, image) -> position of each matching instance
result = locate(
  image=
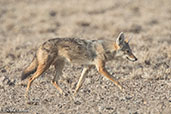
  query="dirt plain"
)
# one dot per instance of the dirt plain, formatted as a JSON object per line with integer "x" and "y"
{"x": 25, "y": 24}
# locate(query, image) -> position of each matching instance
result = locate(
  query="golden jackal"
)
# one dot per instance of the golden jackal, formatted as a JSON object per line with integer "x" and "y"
{"x": 78, "y": 51}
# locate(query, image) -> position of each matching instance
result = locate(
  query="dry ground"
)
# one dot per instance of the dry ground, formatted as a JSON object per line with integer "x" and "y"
{"x": 25, "y": 24}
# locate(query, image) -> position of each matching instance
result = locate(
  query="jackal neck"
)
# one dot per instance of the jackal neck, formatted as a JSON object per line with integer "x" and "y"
{"x": 107, "y": 45}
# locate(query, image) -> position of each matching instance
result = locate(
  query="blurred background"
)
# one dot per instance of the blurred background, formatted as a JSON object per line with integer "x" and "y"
{"x": 25, "y": 24}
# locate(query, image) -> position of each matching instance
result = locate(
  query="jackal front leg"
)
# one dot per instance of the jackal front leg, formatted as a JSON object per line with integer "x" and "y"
{"x": 82, "y": 78}
{"x": 59, "y": 65}
{"x": 101, "y": 68}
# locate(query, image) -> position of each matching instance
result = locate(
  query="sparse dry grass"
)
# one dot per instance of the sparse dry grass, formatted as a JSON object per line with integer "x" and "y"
{"x": 25, "y": 24}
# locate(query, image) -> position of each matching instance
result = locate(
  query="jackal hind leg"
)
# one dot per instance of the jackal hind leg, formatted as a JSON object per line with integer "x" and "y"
{"x": 82, "y": 78}
{"x": 44, "y": 61}
{"x": 40, "y": 70}
{"x": 101, "y": 69}
{"x": 59, "y": 65}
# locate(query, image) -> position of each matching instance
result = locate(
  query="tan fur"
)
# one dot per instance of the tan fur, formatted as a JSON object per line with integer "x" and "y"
{"x": 81, "y": 52}
{"x": 30, "y": 69}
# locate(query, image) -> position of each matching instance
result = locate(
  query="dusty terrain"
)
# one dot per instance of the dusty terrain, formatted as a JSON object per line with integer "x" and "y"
{"x": 25, "y": 24}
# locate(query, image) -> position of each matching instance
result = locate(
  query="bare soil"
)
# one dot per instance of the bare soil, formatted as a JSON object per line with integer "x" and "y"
{"x": 25, "y": 24}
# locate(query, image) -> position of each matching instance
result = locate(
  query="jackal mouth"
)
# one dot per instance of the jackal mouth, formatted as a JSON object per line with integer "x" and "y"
{"x": 132, "y": 59}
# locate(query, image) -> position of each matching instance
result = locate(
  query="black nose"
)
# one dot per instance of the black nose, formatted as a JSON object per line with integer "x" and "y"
{"x": 136, "y": 59}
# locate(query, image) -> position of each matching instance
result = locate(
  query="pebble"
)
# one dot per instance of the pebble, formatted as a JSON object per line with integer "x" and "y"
{"x": 101, "y": 108}
{"x": 6, "y": 81}
{"x": 2, "y": 78}
{"x": 77, "y": 102}
{"x": 87, "y": 81}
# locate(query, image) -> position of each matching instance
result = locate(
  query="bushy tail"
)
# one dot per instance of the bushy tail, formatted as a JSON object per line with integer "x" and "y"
{"x": 30, "y": 69}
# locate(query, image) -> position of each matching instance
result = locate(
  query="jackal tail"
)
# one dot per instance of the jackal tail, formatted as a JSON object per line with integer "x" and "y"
{"x": 30, "y": 69}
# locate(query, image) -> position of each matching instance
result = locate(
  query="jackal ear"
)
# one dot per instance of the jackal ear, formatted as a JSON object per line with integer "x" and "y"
{"x": 120, "y": 38}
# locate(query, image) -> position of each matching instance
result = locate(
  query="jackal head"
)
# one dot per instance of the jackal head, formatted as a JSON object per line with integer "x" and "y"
{"x": 123, "y": 48}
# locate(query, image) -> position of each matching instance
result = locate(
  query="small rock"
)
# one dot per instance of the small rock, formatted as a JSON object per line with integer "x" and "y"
{"x": 128, "y": 97}
{"x": 87, "y": 91}
{"x": 2, "y": 78}
{"x": 59, "y": 105}
{"x": 135, "y": 113}
{"x": 101, "y": 108}
{"x": 69, "y": 80}
{"x": 147, "y": 62}
{"x": 66, "y": 94}
{"x": 77, "y": 102}
{"x": 32, "y": 103}
{"x": 12, "y": 82}
{"x": 6, "y": 81}
{"x": 3, "y": 70}
{"x": 145, "y": 102}
{"x": 52, "y": 13}
{"x": 87, "y": 81}
{"x": 109, "y": 108}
